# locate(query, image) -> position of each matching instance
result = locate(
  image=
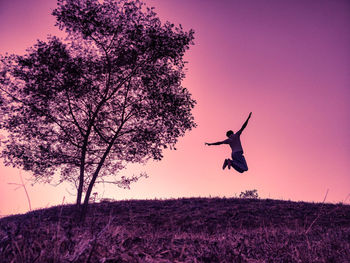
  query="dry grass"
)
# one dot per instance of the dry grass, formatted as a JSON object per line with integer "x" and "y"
{"x": 181, "y": 230}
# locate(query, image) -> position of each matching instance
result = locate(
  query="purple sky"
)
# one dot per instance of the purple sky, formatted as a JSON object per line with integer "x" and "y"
{"x": 286, "y": 61}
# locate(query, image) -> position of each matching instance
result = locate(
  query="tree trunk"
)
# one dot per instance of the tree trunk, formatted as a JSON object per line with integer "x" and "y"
{"x": 81, "y": 178}
{"x": 82, "y": 159}
{"x": 94, "y": 177}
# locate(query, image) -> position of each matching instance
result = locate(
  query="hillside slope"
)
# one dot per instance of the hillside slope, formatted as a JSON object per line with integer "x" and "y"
{"x": 181, "y": 230}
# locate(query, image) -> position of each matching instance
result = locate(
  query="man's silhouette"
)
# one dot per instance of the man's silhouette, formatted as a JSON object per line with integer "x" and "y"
{"x": 238, "y": 161}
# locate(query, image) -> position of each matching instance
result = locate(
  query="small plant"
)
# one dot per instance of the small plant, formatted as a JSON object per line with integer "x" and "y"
{"x": 22, "y": 184}
{"x": 94, "y": 197}
{"x": 252, "y": 194}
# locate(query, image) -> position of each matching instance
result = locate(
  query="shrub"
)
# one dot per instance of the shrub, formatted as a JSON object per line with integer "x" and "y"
{"x": 252, "y": 194}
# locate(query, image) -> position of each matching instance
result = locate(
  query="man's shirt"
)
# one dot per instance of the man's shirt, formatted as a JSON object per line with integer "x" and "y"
{"x": 235, "y": 142}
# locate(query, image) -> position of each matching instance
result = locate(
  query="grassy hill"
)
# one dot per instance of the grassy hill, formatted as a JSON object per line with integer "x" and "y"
{"x": 181, "y": 230}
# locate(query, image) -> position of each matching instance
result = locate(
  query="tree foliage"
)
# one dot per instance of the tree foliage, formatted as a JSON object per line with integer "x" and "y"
{"x": 108, "y": 94}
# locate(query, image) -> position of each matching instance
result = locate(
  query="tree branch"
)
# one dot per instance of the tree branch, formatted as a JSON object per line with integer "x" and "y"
{"x": 100, "y": 134}
{"x": 44, "y": 113}
{"x": 72, "y": 114}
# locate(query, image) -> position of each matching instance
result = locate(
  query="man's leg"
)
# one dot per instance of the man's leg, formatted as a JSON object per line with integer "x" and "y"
{"x": 238, "y": 162}
{"x": 236, "y": 166}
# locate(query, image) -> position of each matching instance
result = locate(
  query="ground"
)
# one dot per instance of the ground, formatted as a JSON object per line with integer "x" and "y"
{"x": 181, "y": 230}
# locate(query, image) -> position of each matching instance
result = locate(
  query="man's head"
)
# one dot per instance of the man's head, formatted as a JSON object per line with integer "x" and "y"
{"x": 229, "y": 133}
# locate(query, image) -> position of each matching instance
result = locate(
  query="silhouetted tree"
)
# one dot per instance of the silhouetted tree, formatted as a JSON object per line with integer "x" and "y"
{"x": 108, "y": 94}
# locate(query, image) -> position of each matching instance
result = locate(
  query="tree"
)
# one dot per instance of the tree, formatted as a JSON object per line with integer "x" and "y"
{"x": 108, "y": 94}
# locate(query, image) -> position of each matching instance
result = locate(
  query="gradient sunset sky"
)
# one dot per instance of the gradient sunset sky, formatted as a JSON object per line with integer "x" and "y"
{"x": 288, "y": 62}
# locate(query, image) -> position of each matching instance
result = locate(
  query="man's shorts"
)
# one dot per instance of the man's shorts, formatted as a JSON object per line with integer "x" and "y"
{"x": 238, "y": 162}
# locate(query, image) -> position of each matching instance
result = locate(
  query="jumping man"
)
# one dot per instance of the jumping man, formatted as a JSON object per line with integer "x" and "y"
{"x": 238, "y": 161}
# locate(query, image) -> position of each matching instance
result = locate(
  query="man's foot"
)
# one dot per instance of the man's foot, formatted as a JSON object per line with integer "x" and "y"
{"x": 229, "y": 164}
{"x": 226, "y": 162}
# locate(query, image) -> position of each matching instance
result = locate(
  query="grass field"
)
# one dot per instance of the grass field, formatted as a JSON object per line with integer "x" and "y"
{"x": 181, "y": 230}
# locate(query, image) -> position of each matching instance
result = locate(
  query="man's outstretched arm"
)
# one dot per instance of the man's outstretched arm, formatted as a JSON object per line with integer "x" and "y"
{"x": 245, "y": 124}
{"x": 214, "y": 143}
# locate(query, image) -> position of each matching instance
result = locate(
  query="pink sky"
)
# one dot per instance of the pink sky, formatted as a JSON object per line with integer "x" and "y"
{"x": 286, "y": 61}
